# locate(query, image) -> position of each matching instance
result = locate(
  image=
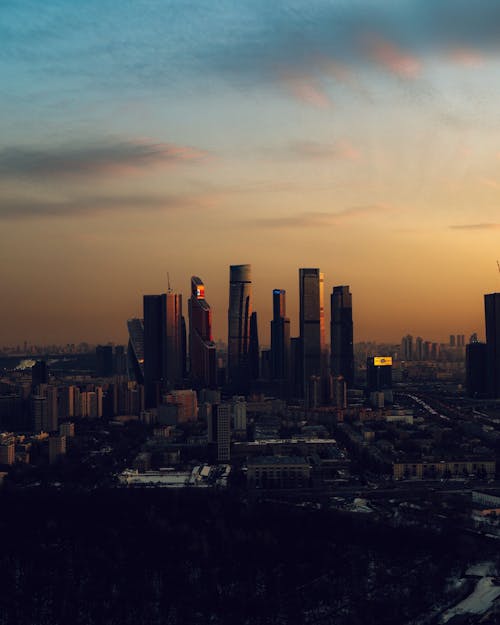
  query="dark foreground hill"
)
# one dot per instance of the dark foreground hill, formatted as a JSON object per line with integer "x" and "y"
{"x": 178, "y": 558}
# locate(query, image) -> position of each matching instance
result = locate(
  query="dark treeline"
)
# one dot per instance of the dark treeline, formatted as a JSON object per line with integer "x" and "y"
{"x": 148, "y": 557}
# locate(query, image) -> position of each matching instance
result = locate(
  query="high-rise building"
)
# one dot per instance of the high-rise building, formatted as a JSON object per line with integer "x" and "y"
{"x": 219, "y": 430}
{"x": 492, "y": 317}
{"x": 379, "y": 376}
{"x": 254, "y": 349}
{"x": 163, "y": 357}
{"x": 104, "y": 361}
{"x": 202, "y": 351}
{"x": 39, "y": 373}
{"x": 280, "y": 337}
{"x": 476, "y": 377}
{"x": 341, "y": 335}
{"x": 135, "y": 350}
{"x": 154, "y": 346}
{"x": 239, "y": 313}
{"x": 407, "y": 347}
{"x": 312, "y": 325}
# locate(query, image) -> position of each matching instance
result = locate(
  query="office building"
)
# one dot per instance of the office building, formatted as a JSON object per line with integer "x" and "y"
{"x": 135, "y": 350}
{"x": 280, "y": 338}
{"x": 104, "y": 361}
{"x": 254, "y": 349}
{"x": 492, "y": 318}
{"x": 407, "y": 347}
{"x": 476, "y": 377}
{"x": 341, "y": 335}
{"x": 163, "y": 345}
{"x": 379, "y": 377}
{"x": 39, "y": 374}
{"x": 239, "y": 313}
{"x": 219, "y": 430}
{"x": 312, "y": 325}
{"x": 202, "y": 351}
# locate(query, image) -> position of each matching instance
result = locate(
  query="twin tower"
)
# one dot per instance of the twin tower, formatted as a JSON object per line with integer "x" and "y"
{"x": 293, "y": 361}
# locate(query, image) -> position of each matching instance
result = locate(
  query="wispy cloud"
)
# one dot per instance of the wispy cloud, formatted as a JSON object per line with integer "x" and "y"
{"x": 480, "y": 226}
{"x": 393, "y": 58}
{"x": 320, "y": 219}
{"x": 93, "y": 159}
{"x": 306, "y": 89}
{"x": 342, "y": 150}
{"x": 16, "y": 208}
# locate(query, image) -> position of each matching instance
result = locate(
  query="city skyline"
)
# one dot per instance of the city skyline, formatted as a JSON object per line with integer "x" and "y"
{"x": 141, "y": 137}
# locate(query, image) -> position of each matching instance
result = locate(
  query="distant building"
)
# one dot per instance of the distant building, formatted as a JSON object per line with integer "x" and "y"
{"x": 7, "y": 453}
{"x": 104, "y": 361}
{"x": 254, "y": 349}
{"x": 187, "y": 404}
{"x": 280, "y": 338}
{"x": 277, "y": 472}
{"x": 39, "y": 374}
{"x": 312, "y": 325}
{"x": 379, "y": 376}
{"x": 202, "y": 350}
{"x": 239, "y": 313}
{"x": 135, "y": 350}
{"x": 219, "y": 430}
{"x": 163, "y": 345}
{"x": 57, "y": 448}
{"x": 341, "y": 335}
{"x": 476, "y": 372}
{"x": 492, "y": 317}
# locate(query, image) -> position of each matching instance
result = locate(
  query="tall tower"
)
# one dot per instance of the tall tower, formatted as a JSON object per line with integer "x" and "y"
{"x": 239, "y": 312}
{"x": 153, "y": 348}
{"x": 492, "y": 317}
{"x": 280, "y": 337}
{"x": 341, "y": 334}
{"x": 163, "y": 358}
{"x": 202, "y": 352}
{"x": 312, "y": 324}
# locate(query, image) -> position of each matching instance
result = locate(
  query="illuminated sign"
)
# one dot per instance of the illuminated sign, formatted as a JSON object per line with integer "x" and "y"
{"x": 382, "y": 361}
{"x": 200, "y": 291}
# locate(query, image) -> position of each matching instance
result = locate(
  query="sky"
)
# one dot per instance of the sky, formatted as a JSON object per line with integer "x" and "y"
{"x": 146, "y": 137}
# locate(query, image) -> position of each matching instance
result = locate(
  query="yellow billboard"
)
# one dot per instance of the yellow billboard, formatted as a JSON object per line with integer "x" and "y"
{"x": 382, "y": 361}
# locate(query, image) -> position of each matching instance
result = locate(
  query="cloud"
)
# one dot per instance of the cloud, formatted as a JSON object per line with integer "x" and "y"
{"x": 320, "y": 219}
{"x": 392, "y": 58}
{"x": 93, "y": 159}
{"x": 306, "y": 89}
{"x": 341, "y": 150}
{"x": 489, "y": 182}
{"x": 481, "y": 226}
{"x": 15, "y": 208}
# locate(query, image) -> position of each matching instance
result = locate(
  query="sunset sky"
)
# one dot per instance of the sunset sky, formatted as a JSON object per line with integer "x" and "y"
{"x": 142, "y": 137}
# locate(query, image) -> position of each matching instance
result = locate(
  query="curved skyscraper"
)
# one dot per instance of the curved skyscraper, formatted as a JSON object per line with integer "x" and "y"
{"x": 239, "y": 312}
{"x": 202, "y": 353}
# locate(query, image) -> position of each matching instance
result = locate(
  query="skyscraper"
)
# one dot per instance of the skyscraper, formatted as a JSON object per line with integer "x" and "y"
{"x": 492, "y": 317}
{"x": 202, "y": 352}
{"x": 341, "y": 334}
{"x": 280, "y": 337}
{"x": 312, "y": 324}
{"x": 135, "y": 349}
{"x": 253, "y": 348}
{"x": 239, "y": 312}
{"x": 163, "y": 357}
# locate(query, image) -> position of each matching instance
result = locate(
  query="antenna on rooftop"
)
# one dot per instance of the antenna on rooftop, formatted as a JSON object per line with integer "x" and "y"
{"x": 170, "y": 290}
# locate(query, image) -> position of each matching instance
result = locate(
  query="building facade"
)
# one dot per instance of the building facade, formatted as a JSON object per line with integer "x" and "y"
{"x": 239, "y": 313}
{"x": 341, "y": 335}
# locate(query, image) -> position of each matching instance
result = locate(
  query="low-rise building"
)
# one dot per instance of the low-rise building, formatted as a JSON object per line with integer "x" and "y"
{"x": 277, "y": 472}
